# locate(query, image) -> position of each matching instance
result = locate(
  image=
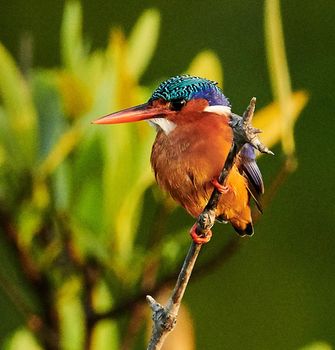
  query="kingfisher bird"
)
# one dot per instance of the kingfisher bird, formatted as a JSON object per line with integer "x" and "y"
{"x": 191, "y": 116}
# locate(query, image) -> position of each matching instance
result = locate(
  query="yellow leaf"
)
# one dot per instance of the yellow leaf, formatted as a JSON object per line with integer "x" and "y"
{"x": 269, "y": 118}
{"x": 105, "y": 336}
{"x": 118, "y": 54}
{"x": 76, "y": 95}
{"x": 60, "y": 151}
{"x": 207, "y": 65}
{"x": 22, "y": 340}
{"x": 317, "y": 346}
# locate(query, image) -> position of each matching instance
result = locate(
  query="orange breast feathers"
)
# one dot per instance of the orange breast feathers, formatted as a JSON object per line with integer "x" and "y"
{"x": 190, "y": 156}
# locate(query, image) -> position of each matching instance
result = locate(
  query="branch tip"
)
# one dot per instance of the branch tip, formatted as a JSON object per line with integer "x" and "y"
{"x": 154, "y": 305}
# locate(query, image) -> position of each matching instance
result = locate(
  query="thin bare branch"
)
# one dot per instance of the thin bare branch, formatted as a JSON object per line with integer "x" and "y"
{"x": 43, "y": 325}
{"x": 214, "y": 262}
{"x": 165, "y": 317}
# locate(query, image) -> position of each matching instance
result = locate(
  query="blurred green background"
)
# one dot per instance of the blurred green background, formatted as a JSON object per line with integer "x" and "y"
{"x": 276, "y": 292}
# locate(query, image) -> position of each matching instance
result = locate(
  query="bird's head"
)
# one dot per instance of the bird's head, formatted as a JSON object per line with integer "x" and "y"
{"x": 172, "y": 101}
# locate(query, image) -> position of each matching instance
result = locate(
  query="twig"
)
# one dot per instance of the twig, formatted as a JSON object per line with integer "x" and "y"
{"x": 165, "y": 318}
{"x": 43, "y": 325}
{"x": 214, "y": 262}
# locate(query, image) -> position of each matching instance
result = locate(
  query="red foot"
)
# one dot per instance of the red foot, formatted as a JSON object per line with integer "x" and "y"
{"x": 219, "y": 187}
{"x": 200, "y": 239}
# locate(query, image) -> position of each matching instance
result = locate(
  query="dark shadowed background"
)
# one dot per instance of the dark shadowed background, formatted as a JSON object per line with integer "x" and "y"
{"x": 277, "y": 292}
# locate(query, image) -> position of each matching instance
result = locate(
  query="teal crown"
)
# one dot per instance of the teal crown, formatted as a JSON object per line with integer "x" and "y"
{"x": 188, "y": 87}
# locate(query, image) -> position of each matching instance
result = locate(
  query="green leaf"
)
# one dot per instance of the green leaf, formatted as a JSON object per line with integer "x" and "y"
{"x": 279, "y": 72}
{"x": 130, "y": 212}
{"x": 72, "y": 49}
{"x": 106, "y": 333}
{"x": 70, "y": 315}
{"x": 142, "y": 42}
{"x": 126, "y": 176}
{"x": 49, "y": 109}
{"x": 20, "y": 123}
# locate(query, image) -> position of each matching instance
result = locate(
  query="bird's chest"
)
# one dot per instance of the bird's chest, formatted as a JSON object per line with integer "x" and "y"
{"x": 191, "y": 155}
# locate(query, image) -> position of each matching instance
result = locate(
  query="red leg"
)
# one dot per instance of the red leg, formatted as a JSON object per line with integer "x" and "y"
{"x": 219, "y": 187}
{"x": 199, "y": 239}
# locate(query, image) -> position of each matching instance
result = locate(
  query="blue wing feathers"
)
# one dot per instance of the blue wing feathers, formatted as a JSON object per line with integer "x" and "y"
{"x": 248, "y": 167}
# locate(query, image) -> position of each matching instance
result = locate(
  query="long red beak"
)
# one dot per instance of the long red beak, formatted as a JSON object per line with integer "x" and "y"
{"x": 134, "y": 114}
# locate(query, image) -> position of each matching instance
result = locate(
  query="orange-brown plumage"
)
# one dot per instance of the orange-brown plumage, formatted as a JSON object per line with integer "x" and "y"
{"x": 187, "y": 159}
{"x": 191, "y": 116}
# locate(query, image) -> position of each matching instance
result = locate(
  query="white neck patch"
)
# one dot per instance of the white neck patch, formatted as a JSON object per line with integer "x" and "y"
{"x": 167, "y": 126}
{"x": 161, "y": 123}
{"x": 219, "y": 109}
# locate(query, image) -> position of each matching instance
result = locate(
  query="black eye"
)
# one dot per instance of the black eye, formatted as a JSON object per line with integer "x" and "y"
{"x": 177, "y": 105}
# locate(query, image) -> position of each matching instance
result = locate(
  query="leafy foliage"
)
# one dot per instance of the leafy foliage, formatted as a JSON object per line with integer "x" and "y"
{"x": 78, "y": 204}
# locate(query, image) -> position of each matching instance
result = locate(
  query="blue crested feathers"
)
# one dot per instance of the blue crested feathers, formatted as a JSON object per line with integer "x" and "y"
{"x": 188, "y": 87}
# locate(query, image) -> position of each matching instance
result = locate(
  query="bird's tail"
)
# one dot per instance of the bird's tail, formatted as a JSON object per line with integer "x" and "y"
{"x": 244, "y": 228}
{"x": 243, "y": 222}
